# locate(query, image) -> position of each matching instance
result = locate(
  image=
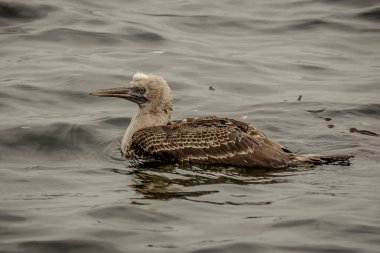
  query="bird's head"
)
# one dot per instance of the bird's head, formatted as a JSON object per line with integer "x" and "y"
{"x": 150, "y": 92}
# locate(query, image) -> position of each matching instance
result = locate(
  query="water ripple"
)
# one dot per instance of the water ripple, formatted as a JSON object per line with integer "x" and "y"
{"x": 65, "y": 187}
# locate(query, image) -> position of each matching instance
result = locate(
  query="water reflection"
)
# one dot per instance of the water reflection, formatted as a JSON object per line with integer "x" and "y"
{"x": 167, "y": 181}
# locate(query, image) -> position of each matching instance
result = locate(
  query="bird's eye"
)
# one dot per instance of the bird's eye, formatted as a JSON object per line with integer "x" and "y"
{"x": 141, "y": 90}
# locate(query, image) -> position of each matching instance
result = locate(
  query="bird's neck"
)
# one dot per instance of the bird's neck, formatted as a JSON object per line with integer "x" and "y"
{"x": 144, "y": 117}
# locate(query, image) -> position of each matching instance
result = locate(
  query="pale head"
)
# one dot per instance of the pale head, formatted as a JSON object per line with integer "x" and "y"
{"x": 150, "y": 92}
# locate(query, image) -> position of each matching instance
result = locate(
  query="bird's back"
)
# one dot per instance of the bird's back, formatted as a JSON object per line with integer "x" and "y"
{"x": 209, "y": 140}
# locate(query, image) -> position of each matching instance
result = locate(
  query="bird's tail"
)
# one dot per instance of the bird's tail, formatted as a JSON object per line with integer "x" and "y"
{"x": 312, "y": 159}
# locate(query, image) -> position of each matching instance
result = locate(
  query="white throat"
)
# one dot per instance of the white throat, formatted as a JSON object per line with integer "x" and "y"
{"x": 144, "y": 117}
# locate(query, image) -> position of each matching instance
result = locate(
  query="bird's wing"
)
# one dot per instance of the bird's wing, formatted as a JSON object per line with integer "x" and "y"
{"x": 208, "y": 140}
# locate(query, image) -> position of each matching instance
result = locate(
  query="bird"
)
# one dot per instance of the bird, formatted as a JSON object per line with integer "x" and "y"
{"x": 204, "y": 140}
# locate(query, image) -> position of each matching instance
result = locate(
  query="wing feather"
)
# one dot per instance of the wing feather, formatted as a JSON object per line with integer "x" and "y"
{"x": 208, "y": 140}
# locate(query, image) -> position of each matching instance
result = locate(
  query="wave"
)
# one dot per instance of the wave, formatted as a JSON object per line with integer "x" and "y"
{"x": 54, "y": 141}
{"x": 368, "y": 111}
{"x": 20, "y": 12}
{"x": 372, "y": 14}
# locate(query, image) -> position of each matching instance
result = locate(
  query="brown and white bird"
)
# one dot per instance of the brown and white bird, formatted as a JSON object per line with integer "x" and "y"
{"x": 203, "y": 140}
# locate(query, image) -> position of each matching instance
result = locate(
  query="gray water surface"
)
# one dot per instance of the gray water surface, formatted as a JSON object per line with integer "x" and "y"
{"x": 64, "y": 186}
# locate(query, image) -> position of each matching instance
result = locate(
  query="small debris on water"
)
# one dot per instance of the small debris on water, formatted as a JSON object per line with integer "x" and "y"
{"x": 138, "y": 203}
{"x": 316, "y": 111}
{"x": 365, "y": 132}
{"x": 158, "y": 52}
{"x": 244, "y": 117}
{"x": 299, "y": 98}
{"x": 327, "y": 118}
{"x": 330, "y": 126}
{"x": 211, "y": 88}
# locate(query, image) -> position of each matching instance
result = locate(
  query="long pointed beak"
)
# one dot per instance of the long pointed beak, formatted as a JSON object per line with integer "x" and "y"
{"x": 120, "y": 92}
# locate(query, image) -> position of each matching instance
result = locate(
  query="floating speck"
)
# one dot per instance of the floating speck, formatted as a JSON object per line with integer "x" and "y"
{"x": 244, "y": 117}
{"x": 365, "y": 132}
{"x": 299, "y": 98}
{"x": 158, "y": 52}
{"x": 211, "y": 88}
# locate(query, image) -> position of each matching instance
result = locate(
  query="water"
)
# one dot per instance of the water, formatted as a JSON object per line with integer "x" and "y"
{"x": 64, "y": 186}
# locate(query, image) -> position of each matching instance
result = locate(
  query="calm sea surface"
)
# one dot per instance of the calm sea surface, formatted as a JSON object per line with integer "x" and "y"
{"x": 64, "y": 186}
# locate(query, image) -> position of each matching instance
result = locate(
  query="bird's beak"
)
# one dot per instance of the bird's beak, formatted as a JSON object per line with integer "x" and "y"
{"x": 121, "y": 92}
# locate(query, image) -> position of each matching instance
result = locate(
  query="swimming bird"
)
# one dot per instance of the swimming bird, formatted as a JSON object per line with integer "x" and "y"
{"x": 203, "y": 140}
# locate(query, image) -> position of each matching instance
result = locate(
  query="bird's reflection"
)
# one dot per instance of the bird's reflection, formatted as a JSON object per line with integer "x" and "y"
{"x": 166, "y": 181}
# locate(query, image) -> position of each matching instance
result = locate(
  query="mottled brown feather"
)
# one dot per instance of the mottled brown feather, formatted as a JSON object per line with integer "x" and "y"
{"x": 209, "y": 140}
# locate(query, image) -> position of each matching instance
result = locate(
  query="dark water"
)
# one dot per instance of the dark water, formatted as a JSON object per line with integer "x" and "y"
{"x": 64, "y": 186}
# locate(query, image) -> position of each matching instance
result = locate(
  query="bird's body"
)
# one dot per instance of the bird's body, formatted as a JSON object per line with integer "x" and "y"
{"x": 208, "y": 140}
{"x": 204, "y": 140}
